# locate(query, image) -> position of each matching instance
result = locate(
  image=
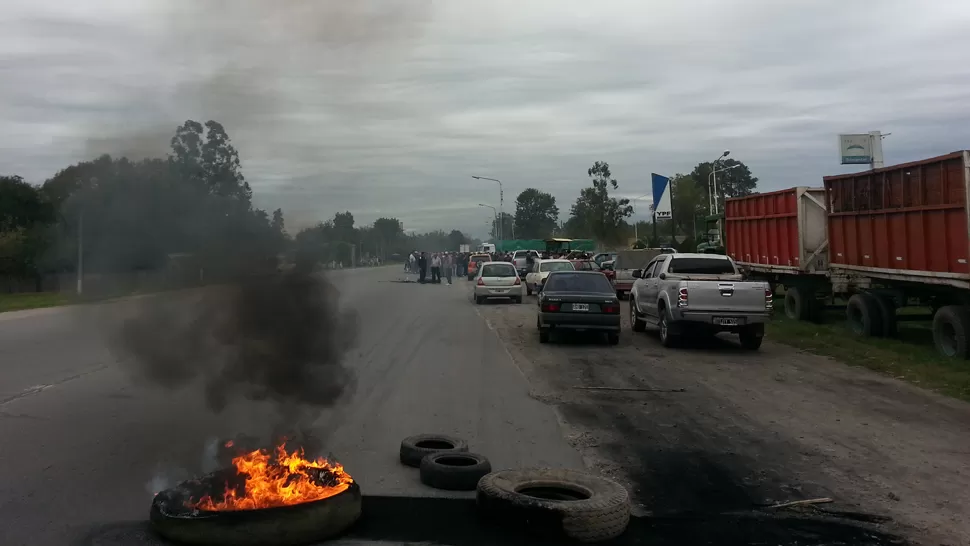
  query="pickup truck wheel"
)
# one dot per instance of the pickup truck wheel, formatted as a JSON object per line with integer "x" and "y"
{"x": 751, "y": 336}
{"x": 636, "y": 322}
{"x": 666, "y": 338}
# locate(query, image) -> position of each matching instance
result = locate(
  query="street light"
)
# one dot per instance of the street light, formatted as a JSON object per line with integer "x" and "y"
{"x": 494, "y": 212}
{"x": 712, "y": 197}
{"x": 501, "y": 201}
{"x": 636, "y": 234}
{"x": 714, "y": 185}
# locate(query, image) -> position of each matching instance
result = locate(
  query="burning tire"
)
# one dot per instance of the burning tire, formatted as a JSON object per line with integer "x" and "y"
{"x": 454, "y": 471}
{"x": 557, "y": 504}
{"x": 415, "y": 448}
{"x": 283, "y": 525}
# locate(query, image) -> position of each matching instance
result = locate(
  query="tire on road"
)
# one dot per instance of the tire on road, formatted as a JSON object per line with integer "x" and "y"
{"x": 951, "y": 331}
{"x": 415, "y": 448}
{"x": 751, "y": 336}
{"x": 454, "y": 471}
{"x": 863, "y": 316}
{"x": 636, "y": 323}
{"x": 556, "y": 504}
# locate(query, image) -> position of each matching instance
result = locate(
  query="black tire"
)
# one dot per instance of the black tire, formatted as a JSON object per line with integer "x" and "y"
{"x": 454, "y": 471}
{"x": 415, "y": 448}
{"x": 663, "y": 324}
{"x": 543, "y": 335}
{"x": 517, "y": 299}
{"x": 620, "y": 295}
{"x": 310, "y": 522}
{"x": 751, "y": 336}
{"x": 951, "y": 331}
{"x": 479, "y": 300}
{"x": 800, "y": 303}
{"x": 556, "y": 505}
{"x": 613, "y": 338}
{"x": 528, "y": 289}
{"x": 470, "y": 277}
{"x": 636, "y": 323}
{"x": 863, "y": 316}
{"x": 887, "y": 310}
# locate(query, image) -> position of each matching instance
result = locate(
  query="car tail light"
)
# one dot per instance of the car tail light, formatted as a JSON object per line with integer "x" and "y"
{"x": 550, "y": 307}
{"x": 614, "y": 309}
{"x": 517, "y": 281}
{"x": 769, "y": 300}
{"x": 682, "y": 298}
{"x": 481, "y": 281}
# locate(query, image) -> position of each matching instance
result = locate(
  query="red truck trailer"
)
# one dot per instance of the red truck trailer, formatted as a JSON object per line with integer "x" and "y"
{"x": 880, "y": 239}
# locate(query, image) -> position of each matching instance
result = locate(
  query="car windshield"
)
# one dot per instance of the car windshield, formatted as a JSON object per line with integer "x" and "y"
{"x": 701, "y": 266}
{"x": 578, "y": 282}
{"x": 556, "y": 266}
{"x": 498, "y": 270}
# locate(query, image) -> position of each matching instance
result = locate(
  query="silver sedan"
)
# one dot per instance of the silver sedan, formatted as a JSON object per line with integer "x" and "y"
{"x": 498, "y": 280}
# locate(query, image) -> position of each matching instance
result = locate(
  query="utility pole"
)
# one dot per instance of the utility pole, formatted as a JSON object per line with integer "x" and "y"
{"x": 80, "y": 253}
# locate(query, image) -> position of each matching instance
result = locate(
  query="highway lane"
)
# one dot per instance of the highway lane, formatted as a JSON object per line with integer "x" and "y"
{"x": 84, "y": 446}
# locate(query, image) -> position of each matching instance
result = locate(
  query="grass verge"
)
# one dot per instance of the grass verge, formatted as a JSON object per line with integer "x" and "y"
{"x": 33, "y": 300}
{"x": 910, "y": 357}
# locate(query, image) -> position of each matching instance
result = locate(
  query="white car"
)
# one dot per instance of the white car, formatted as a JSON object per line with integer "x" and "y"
{"x": 541, "y": 269}
{"x": 498, "y": 280}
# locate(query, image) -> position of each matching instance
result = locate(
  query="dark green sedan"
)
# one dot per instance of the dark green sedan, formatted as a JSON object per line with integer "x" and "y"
{"x": 578, "y": 301}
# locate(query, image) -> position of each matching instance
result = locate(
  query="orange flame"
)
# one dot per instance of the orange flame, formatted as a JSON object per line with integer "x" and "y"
{"x": 281, "y": 480}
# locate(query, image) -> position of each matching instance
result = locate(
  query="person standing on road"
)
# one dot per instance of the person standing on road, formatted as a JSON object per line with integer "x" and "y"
{"x": 449, "y": 266}
{"x": 423, "y": 267}
{"x": 436, "y": 268}
{"x": 412, "y": 262}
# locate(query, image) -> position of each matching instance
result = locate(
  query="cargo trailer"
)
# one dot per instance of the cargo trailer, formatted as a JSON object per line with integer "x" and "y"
{"x": 879, "y": 239}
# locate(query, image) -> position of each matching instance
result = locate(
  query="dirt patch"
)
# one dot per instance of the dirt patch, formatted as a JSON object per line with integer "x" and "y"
{"x": 716, "y": 429}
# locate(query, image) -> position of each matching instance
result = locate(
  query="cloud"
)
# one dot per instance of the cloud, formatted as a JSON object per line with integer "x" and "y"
{"x": 386, "y": 108}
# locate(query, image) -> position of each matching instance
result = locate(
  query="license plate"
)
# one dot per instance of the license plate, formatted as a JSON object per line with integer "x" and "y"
{"x": 580, "y": 307}
{"x": 726, "y": 321}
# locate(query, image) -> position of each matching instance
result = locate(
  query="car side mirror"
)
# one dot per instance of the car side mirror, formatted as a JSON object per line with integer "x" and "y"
{"x": 662, "y": 276}
{"x": 637, "y": 273}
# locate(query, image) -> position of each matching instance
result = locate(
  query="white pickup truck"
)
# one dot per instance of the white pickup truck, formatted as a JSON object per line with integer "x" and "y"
{"x": 701, "y": 294}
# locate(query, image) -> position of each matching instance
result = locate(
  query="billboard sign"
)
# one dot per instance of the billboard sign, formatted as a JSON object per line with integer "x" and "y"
{"x": 661, "y": 196}
{"x": 855, "y": 149}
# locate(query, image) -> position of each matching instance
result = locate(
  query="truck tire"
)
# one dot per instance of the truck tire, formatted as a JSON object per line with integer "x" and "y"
{"x": 951, "y": 331}
{"x": 751, "y": 336}
{"x": 556, "y": 506}
{"x": 453, "y": 471}
{"x": 863, "y": 315}
{"x": 887, "y": 309}
{"x": 636, "y": 323}
{"x": 667, "y": 339}
{"x": 415, "y": 448}
{"x": 800, "y": 303}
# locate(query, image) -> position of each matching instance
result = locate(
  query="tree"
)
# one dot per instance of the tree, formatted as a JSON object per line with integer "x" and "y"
{"x": 24, "y": 215}
{"x": 734, "y": 179}
{"x": 536, "y": 214}
{"x": 596, "y": 212}
{"x": 508, "y": 227}
{"x": 455, "y": 240}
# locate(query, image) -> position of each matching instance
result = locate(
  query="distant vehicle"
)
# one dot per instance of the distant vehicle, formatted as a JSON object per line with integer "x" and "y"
{"x": 520, "y": 258}
{"x": 473, "y": 261}
{"x": 578, "y": 301}
{"x": 498, "y": 280}
{"x": 627, "y": 261}
{"x": 558, "y": 245}
{"x": 487, "y": 248}
{"x": 541, "y": 269}
{"x": 601, "y": 257}
{"x": 699, "y": 294}
{"x": 585, "y": 265}
{"x": 464, "y": 248}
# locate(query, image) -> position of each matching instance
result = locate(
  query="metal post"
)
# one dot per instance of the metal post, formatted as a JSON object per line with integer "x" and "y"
{"x": 655, "y": 236}
{"x": 875, "y": 140}
{"x": 80, "y": 254}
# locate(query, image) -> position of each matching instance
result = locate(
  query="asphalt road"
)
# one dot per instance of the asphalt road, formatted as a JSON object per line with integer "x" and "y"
{"x": 83, "y": 446}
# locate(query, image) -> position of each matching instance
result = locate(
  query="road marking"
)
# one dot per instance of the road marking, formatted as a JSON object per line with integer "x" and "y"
{"x": 41, "y": 388}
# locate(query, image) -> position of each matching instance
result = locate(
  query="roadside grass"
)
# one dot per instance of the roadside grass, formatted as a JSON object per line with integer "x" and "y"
{"x": 32, "y": 300}
{"x": 910, "y": 356}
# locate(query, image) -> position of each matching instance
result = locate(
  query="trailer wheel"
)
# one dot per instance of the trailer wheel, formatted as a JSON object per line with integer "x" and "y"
{"x": 887, "y": 308}
{"x": 863, "y": 315}
{"x": 951, "y": 331}
{"x": 799, "y": 303}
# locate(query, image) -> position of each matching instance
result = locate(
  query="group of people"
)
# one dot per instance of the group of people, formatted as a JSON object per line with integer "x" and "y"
{"x": 438, "y": 262}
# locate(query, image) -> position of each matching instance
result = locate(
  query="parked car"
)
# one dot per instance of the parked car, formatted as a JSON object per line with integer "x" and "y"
{"x": 473, "y": 262}
{"x": 700, "y": 294}
{"x": 601, "y": 257}
{"x": 498, "y": 280}
{"x": 520, "y": 258}
{"x": 541, "y": 269}
{"x": 606, "y": 268}
{"x": 578, "y": 301}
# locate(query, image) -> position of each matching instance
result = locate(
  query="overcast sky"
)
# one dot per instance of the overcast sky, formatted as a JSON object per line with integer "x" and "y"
{"x": 386, "y": 108}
